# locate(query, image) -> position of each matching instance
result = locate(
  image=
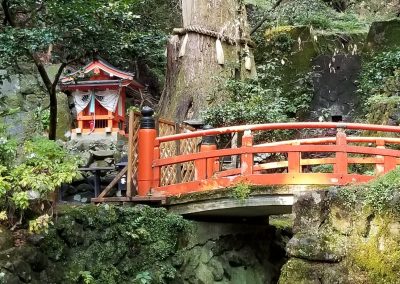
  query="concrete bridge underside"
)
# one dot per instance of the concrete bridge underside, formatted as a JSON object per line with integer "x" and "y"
{"x": 263, "y": 201}
{"x": 253, "y": 206}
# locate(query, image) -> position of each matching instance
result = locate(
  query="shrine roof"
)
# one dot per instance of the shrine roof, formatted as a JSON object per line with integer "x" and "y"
{"x": 83, "y": 77}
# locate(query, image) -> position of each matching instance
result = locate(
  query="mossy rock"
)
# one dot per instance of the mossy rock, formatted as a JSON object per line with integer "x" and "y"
{"x": 113, "y": 243}
{"x": 341, "y": 219}
{"x": 310, "y": 210}
{"x": 378, "y": 254}
{"x": 295, "y": 43}
{"x": 63, "y": 116}
{"x": 384, "y": 35}
{"x": 325, "y": 246}
{"x": 29, "y": 84}
{"x": 300, "y": 271}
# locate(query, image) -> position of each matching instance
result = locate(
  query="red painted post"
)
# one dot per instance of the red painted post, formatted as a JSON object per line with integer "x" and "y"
{"x": 341, "y": 156}
{"x": 246, "y": 159}
{"x": 380, "y": 168}
{"x": 146, "y": 142}
{"x": 205, "y": 167}
{"x": 294, "y": 166}
{"x": 390, "y": 163}
{"x": 209, "y": 143}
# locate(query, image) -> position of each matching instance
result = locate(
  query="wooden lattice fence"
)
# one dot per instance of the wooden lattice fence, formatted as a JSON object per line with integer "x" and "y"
{"x": 172, "y": 174}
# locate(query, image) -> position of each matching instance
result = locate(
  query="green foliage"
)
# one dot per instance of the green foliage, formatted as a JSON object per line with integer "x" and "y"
{"x": 126, "y": 32}
{"x": 116, "y": 244}
{"x": 40, "y": 168}
{"x": 348, "y": 196}
{"x": 267, "y": 99}
{"x": 42, "y": 116}
{"x": 46, "y": 165}
{"x": 282, "y": 222}
{"x": 143, "y": 278}
{"x": 120, "y": 29}
{"x": 317, "y": 14}
{"x": 322, "y": 169}
{"x": 382, "y": 195}
{"x": 241, "y": 191}
{"x": 20, "y": 199}
{"x": 86, "y": 277}
{"x": 40, "y": 225}
{"x": 8, "y": 149}
{"x": 280, "y": 42}
{"x": 246, "y": 104}
{"x": 379, "y": 84}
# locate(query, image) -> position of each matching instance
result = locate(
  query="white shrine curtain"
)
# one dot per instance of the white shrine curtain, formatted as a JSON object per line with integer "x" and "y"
{"x": 81, "y": 100}
{"x": 108, "y": 99}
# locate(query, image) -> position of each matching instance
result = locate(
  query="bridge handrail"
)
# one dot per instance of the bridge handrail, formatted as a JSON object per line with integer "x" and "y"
{"x": 159, "y": 173}
{"x": 324, "y": 140}
{"x": 274, "y": 149}
{"x": 279, "y": 126}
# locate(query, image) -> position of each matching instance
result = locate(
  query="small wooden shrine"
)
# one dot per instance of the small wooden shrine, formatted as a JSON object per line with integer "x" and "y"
{"x": 100, "y": 92}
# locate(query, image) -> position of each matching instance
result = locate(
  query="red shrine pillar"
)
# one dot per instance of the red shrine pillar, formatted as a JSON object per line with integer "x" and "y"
{"x": 146, "y": 143}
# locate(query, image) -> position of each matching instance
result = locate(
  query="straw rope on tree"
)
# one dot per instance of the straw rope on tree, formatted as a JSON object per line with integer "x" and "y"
{"x": 214, "y": 34}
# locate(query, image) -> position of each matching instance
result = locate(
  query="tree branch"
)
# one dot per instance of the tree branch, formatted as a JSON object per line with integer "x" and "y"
{"x": 266, "y": 16}
{"x": 43, "y": 73}
{"x": 58, "y": 75}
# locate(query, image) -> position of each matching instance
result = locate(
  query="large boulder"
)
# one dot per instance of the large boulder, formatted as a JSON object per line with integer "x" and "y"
{"x": 384, "y": 35}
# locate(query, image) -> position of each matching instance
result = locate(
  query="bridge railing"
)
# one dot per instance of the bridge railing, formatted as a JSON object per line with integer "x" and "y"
{"x": 340, "y": 152}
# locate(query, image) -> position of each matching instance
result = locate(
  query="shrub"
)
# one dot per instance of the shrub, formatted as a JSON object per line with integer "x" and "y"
{"x": 40, "y": 168}
{"x": 379, "y": 85}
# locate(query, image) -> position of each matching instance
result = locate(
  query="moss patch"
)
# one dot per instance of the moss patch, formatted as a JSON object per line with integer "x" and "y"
{"x": 115, "y": 244}
{"x": 378, "y": 254}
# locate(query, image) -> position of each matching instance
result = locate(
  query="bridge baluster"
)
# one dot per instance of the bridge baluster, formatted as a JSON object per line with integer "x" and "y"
{"x": 205, "y": 167}
{"x": 294, "y": 166}
{"x": 246, "y": 162}
{"x": 380, "y": 168}
{"x": 156, "y": 170}
{"x": 146, "y": 144}
{"x": 341, "y": 165}
{"x": 389, "y": 163}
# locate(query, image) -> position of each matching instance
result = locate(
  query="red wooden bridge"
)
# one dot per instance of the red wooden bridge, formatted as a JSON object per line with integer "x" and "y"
{"x": 175, "y": 165}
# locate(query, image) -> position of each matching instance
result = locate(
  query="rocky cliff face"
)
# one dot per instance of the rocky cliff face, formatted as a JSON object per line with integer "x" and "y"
{"x": 23, "y": 103}
{"x": 323, "y": 68}
{"x": 233, "y": 253}
{"x": 338, "y": 241}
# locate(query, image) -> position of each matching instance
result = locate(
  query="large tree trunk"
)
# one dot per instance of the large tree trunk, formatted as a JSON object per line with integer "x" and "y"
{"x": 194, "y": 77}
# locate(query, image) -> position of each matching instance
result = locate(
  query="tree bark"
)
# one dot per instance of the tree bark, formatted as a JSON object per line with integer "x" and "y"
{"x": 8, "y": 17}
{"x": 193, "y": 80}
{"x": 51, "y": 88}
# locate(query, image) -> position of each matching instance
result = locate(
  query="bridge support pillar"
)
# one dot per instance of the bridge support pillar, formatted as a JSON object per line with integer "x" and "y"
{"x": 146, "y": 145}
